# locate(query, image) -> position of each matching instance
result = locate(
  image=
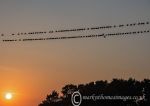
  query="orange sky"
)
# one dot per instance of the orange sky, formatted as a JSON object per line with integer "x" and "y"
{"x": 32, "y": 69}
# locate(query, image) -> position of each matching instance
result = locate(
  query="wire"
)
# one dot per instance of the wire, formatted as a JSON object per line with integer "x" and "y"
{"x": 80, "y": 29}
{"x": 72, "y": 37}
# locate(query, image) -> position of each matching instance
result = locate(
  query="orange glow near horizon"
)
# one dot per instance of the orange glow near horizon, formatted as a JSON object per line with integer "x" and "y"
{"x": 10, "y": 96}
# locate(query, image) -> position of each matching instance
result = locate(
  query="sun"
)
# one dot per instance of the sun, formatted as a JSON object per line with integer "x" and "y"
{"x": 8, "y": 96}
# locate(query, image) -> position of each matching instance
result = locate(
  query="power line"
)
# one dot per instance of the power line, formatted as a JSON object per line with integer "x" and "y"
{"x": 80, "y": 29}
{"x": 72, "y": 37}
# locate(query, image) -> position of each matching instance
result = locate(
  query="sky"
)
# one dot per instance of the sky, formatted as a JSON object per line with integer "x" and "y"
{"x": 31, "y": 70}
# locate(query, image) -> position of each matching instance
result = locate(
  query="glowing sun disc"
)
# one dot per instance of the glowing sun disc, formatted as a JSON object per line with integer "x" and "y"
{"x": 8, "y": 96}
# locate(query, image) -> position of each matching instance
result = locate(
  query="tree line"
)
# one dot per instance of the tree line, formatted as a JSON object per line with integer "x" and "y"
{"x": 116, "y": 87}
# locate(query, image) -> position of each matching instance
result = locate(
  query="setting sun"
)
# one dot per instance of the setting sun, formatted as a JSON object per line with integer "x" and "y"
{"x": 8, "y": 96}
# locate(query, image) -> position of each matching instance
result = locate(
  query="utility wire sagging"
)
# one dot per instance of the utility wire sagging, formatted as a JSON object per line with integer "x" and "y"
{"x": 86, "y": 36}
{"x": 27, "y": 36}
{"x": 80, "y": 29}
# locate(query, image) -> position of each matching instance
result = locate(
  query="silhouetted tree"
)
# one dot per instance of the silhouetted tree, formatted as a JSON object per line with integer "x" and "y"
{"x": 51, "y": 99}
{"x": 117, "y": 87}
